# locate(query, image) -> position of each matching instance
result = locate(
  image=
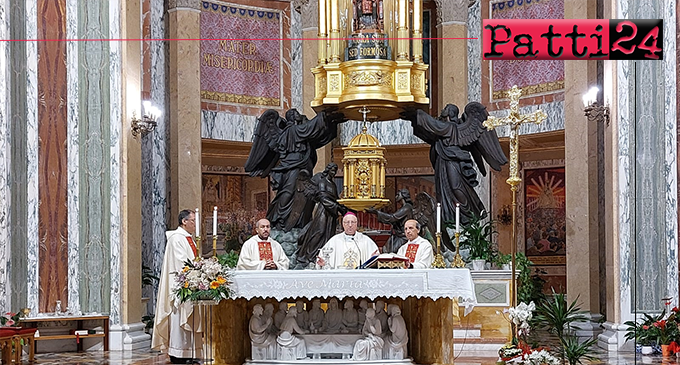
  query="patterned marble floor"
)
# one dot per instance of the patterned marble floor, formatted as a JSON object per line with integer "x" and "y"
{"x": 147, "y": 357}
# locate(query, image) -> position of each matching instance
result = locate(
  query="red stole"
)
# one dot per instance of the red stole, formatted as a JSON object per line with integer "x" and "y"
{"x": 265, "y": 249}
{"x": 193, "y": 246}
{"x": 411, "y": 251}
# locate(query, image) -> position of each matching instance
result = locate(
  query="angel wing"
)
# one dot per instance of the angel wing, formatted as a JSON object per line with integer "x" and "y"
{"x": 482, "y": 143}
{"x": 263, "y": 156}
{"x": 303, "y": 203}
{"x": 424, "y": 212}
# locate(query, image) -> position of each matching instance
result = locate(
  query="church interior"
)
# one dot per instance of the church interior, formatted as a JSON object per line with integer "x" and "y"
{"x": 115, "y": 115}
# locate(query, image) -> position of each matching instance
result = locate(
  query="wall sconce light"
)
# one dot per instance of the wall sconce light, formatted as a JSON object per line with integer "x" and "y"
{"x": 504, "y": 216}
{"x": 148, "y": 121}
{"x": 594, "y": 110}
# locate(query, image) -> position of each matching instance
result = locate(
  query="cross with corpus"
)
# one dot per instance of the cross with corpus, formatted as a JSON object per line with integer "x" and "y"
{"x": 514, "y": 120}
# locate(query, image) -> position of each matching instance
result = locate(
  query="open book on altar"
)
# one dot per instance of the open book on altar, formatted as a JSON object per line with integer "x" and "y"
{"x": 386, "y": 261}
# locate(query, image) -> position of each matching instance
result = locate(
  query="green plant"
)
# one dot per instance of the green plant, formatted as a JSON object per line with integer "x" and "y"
{"x": 644, "y": 333}
{"x": 529, "y": 287}
{"x": 148, "y": 321}
{"x": 11, "y": 319}
{"x": 503, "y": 259}
{"x": 558, "y": 316}
{"x": 229, "y": 260}
{"x": 148, "y": 277}
{"x": 576, "y": 352}
{"x": 477, "y": 234}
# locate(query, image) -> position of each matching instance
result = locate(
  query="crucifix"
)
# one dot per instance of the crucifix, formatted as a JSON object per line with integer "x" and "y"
{"x": 514, "y": 120}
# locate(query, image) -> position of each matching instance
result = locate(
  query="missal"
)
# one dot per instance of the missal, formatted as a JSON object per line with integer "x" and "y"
{"x": 386, "y": 261}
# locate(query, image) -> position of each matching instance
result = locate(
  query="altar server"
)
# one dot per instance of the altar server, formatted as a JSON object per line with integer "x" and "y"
{"x": 349, "y": 248}
{"x": 174, "y": 321}
{"x": 261, "y": 252}
{"x": 418, "y": 250}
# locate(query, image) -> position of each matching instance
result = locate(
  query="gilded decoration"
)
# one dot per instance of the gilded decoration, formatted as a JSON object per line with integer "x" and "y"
{"x": 532, "y": 89}
{"x": 240, "y": 99}
{"x": 364, "y": 49}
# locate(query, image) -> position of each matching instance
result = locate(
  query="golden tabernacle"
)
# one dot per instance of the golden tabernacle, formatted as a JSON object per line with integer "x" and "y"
{"x": 366, "y": 58}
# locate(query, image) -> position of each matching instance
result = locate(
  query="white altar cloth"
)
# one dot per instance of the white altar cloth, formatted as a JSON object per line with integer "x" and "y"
{"x": 368, "y": 283}
{"x": 337, "y": 343}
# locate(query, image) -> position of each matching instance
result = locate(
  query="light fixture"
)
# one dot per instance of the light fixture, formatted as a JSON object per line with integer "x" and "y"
{"x": 147, "y": 123}
{"x": 594, "y": 110}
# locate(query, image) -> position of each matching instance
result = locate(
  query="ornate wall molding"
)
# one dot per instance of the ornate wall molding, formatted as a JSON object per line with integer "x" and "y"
{"x": 452, "y": 11}
{"x": 310, "y": 14}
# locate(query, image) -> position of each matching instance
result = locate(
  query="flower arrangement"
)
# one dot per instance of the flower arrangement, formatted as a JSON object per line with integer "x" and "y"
{"x": 520, "y": 317}
{"x": 537, "y": 357}
{"x": 202, "y": 279}
{"x": 11, "y": 319}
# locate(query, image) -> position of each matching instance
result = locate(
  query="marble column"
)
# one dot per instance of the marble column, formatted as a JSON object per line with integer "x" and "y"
{"x": 129, "y": 334}
{"x": 184, "y": 105}
{"x": 581, "y": 174}
{"x": 452, "y": 17}
{"x": 5, "y": 252}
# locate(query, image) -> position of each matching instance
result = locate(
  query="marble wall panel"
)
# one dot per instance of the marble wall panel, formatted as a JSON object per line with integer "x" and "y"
{"x": 474, "y": 51}
{"x": 227, "y": 126}
{"x": 155, "y": 164}
{"x": 388, "y": 133}
{"x": 72, "y": 155}
{"x": 33, "y": 264}
{"x": 97, "y": 196}
{"x": 114, "y": 144}
{"x": 5, "y": 201}
{"x": 18, "y": 77}
{"x": 52, "y": 161}
{"x": 296, "y": 70}
{"x": 554, "y": 122}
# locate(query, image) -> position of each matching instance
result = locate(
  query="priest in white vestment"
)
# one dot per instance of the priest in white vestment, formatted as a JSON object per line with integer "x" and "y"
{"x": 261, "y": 252}
{"x": 418, "y": 250}
{"x": 173, "y": 323}
{"x": 350, "y": 248}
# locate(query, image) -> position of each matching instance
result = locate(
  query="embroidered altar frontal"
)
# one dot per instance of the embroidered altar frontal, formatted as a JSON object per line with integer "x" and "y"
{"x": 425, "y": 296}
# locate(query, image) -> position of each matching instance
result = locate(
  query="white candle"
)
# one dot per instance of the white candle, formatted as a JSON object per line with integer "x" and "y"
{"x": 439, "y": 217}
{"x": 458, "y": 217}
{"x": 198, "y": 223}
{"x": 215, "y": 221}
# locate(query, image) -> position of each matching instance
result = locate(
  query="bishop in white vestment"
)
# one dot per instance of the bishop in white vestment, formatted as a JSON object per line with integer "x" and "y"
{"x": 174, "y": 320}
{"x": 418, "y": 250}
{"x": 349, "y": 248}
{"x": 261, "y": 252}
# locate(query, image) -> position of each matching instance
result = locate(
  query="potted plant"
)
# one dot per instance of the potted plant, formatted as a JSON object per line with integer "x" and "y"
{"x": 502, "y": 261}
{"x": 644, "y": 333}
{"x": 477, "y": 235}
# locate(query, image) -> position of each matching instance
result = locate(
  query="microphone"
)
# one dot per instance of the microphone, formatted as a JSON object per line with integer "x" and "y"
{"x": 358, "y": 249}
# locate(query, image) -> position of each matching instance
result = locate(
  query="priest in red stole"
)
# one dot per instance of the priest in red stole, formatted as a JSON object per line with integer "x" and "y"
{"x": 418, "y": 250}
{"x": 261, "y": 252}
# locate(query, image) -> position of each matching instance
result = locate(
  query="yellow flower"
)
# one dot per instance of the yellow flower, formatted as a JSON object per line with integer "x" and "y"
{"x": 186, "y": 285}
{"x": 186, "y": 268}
{"x": 221, "y": 280}
{"x": 214, "y": 285}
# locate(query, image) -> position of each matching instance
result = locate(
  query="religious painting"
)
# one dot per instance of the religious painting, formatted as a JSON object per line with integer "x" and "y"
{"x": 545, "y": 222}
{"x": 241, "y": 54}
{"x": 532, "y": 76}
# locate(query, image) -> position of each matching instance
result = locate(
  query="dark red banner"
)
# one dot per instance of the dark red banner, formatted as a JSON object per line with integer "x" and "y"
{"x": 572, "y": 39}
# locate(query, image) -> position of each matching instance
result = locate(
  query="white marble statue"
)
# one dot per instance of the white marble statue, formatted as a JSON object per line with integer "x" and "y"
{"x": 290, "y": 347}
{"x": 269, "y": 313}
{"x": 302, "y": 317}
{"x": 381, "y": 315}
{"x": 350, "y": 318}
{"x": 333, "y": 318}
{"x": 369, "y": 347}
{"x": 263, "y": 343}
{"x": 280, "y": 315}
{"x": 397, "y": 339}
{"x": 363, "y": 305}
{"x": 316, "y": 316}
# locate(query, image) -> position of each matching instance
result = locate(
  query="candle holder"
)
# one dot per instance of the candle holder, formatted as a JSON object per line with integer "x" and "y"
{"x": 214, "y": 245}
{"x": 457, "y": 260}
{"x": 439, "y": 262}
{"x": 199, "y": 248}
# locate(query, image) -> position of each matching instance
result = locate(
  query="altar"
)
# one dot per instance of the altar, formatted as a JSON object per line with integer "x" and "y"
{"x": 426, "y": 298}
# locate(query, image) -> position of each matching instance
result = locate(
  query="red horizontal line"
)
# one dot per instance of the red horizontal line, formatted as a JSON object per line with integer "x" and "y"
{"x": 202, "y": 39}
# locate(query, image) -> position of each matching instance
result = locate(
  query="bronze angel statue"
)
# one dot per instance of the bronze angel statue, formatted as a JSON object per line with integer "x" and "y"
{"x": 285, "y": 150}
{"x": 457, "y": 144}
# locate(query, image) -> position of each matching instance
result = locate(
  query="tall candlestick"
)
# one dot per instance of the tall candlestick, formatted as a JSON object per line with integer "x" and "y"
{"x": 197, "y": 219}
{"x": 458, "y": 217}
{"x": 215, "y": 222}
{"x": 439, "y": 217}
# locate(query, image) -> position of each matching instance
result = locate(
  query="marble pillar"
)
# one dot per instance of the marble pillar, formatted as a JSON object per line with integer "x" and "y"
{"x": 184, "y": 105}
{"x": 452, "y": 19}
{"x": 129, "y": 334}
{"x": 581, "y": 174}
{"x": 5, "y": 252}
